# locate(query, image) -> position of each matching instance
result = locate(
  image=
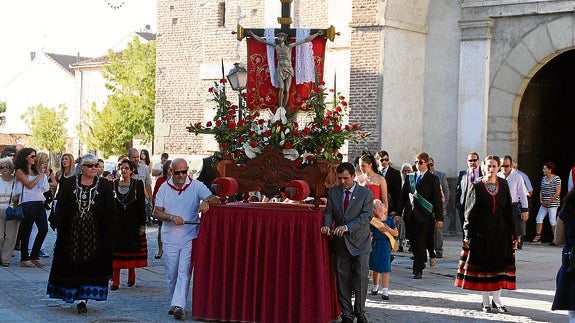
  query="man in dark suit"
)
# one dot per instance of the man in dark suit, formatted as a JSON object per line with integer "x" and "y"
{"x": 393, "y": 179}
{"x": 350, "y": 207}
{"x": 422, "y": 189}
{"x": 464, "y": 181}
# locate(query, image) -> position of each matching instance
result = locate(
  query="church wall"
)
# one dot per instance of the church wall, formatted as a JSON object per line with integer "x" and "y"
{"x": 441, "y": 85}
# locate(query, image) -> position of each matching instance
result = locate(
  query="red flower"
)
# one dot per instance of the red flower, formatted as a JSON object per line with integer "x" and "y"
{"x": 254, "y": 144}
{"x": 218, "y": 123}
{"x": 223, "y": 81}
{"x": 211, "y": 90}
{"x": 344, "y": 103}
{"x": 297, "y": 163}
{"x": 341, "y": 97}
{"x": 189, "y": 128}
{"x": 267, "y": 133}
{"x": 261, "y": 121}
{"x": 337, "y": 128}
{"x": 208, "y": 124}
{"x": 228, "y": 117}
{"x": 355, "y": 126}
{"x": 251, "y": 133}
{"x": 322, "y": 83}
{"x": 238, "y": 153}
{"x": 241, "y": 123}
{"x": 309, "y": 158}
{"x": 338, "y": 109}
{"x": 325, "y": 122}
{"x": 346, "y": 127}
{"x": 232, "y": 125}
{"x": 287, "y": 145}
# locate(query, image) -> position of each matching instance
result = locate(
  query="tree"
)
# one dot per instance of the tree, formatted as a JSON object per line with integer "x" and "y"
{"x": 103, "y": 131}
{"x": 131, "y": 77}
{"x": 47, "y": 127}
{"x": 2, "y": 106}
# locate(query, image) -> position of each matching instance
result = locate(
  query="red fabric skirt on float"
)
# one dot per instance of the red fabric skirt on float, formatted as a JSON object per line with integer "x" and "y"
{"x": 484, "y": 278}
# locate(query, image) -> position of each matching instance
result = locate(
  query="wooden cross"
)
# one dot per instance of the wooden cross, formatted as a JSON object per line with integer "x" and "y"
{"x": 285, "y": 21}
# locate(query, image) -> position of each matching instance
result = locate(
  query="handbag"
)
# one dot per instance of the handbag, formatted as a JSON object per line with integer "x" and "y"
{"x": 14, "y": 213}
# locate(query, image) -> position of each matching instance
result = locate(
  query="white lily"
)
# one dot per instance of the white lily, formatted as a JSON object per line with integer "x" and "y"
{"x": 280, "y": 115}
{"x": 291, "y": 154}
{"x": 250, "y": 151}
{"x": 304, "y": 157}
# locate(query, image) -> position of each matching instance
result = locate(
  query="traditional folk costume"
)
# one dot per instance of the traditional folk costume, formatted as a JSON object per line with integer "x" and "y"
{"x": 82, "y": 264}
{"x": 130, "y": 249}
{"x": 489, "y": 263}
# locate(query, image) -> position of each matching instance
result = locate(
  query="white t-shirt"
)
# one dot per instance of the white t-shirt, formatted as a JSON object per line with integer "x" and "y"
{"x": 185, "y": 205}
{"x": 143, "y": 174}
{"x": 35, "y": 193}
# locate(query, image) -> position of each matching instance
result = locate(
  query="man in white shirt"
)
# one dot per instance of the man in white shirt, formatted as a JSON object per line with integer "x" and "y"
{"x": 178, "y": 202}
{"x": 519, "y": 202}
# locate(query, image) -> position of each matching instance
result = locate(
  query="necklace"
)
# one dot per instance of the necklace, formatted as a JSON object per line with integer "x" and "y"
{"x": 120, "y": 191}
{"x": 85, "y": 196}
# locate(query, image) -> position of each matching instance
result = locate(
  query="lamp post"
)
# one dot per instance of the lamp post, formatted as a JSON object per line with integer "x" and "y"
{"x": 238, "y": 78}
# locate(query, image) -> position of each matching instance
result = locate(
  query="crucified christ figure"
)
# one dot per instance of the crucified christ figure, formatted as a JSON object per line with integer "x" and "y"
{"x": 284, "y": 70}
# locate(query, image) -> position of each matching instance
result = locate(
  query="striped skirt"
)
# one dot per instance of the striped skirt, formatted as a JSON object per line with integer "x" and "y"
{"x": 132, "y": 260}
{"x": 483, "y": 277}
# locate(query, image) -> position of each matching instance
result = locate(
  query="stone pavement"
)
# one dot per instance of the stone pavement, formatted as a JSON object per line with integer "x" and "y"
{"x": 431, "y": 299}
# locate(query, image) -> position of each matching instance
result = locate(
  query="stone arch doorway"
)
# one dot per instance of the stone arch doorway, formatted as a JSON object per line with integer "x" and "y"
{"x": 545, "y": 127}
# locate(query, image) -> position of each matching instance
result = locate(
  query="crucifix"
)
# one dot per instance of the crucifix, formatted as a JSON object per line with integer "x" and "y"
{"x": 284, "y": 72}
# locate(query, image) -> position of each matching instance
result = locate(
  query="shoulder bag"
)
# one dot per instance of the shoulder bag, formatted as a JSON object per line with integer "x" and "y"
{"x": 14, "y": 213}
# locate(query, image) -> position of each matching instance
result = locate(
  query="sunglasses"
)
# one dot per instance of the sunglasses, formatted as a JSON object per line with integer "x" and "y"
{"x": 31, "y": 156}
{"x": 91, "y": 165}
{"x": 472, "y": 160}
{"x": 5, "y": 167}
{"x": 505, "y": 166}
{"x": 430, "y": 165}
{"x": 180, "y": 172}
{"x": 384, "y": 159}
{"x": 419, "y": 162}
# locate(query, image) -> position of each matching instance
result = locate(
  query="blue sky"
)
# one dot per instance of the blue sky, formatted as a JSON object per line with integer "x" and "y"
{"x": 89, "y": 27}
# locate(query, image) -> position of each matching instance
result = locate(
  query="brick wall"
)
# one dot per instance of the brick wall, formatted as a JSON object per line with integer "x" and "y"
{"x": 365, "y": 81}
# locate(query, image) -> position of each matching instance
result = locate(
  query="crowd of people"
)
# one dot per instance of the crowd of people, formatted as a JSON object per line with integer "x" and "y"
{"x": 101, "y": 217}
{"x": 492, "y": 200}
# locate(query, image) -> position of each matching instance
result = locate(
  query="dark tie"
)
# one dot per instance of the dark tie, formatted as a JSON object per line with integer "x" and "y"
{"x": 418, "y": 180}
{"x": 473, "y": 176}
{"x": 346, "y": 200}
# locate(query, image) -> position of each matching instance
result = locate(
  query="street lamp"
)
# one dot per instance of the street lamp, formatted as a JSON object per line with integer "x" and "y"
{"x": 238, "y": 78}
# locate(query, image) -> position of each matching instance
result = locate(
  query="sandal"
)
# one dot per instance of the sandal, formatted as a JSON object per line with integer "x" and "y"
{"x": 537, "y": 239}
{"x": 375, "y": 291}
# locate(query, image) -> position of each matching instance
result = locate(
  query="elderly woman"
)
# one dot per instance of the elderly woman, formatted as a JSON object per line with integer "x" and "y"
{"x": 129, "y": 244}
{"x": 35, "y": 182}
{"x": 82, "y": 264}
{"x": 8, "y": 229}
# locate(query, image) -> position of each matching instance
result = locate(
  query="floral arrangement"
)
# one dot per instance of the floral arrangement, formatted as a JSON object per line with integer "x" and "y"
{"x": 243, "y": 138}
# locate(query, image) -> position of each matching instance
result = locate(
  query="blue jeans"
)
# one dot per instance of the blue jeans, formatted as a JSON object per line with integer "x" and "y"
{"x": 34, "y": 212}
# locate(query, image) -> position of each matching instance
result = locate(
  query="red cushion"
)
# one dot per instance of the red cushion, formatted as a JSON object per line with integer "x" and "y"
{"x": 297, "y": 190}
{"x": 225, "y": 186}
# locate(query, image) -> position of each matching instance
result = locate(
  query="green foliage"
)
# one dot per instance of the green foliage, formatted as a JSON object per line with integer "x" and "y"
{"x": 47, "y": 127}
{"x": 2, "y": 106}
{"x": 129, "y": 111}
{"x": 103, "y": 131}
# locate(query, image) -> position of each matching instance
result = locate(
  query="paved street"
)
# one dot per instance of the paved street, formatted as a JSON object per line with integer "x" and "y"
{"x": 431, "y": 299}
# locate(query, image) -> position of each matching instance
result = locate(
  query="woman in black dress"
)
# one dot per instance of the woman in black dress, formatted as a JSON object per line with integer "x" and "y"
{"x": 82, "y": 264}
{"x": 565, "y": 290}
{"x": 487, "y": 262}
{"x": 129, "y": 225}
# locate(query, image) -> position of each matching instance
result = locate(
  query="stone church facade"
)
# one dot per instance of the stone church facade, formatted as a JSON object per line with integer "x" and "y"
{"x": 441, "y": 76}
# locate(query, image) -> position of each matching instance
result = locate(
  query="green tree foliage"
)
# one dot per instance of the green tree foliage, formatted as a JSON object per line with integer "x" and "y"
{"x": 47, "y": 127}
{"x": 103, "y": 131}
{"x": 131, "y": 77}
{"x": 2, "y": 106}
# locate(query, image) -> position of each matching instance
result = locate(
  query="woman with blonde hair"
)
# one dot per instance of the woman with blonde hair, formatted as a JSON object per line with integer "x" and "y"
{"x": 67, "y": 167}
